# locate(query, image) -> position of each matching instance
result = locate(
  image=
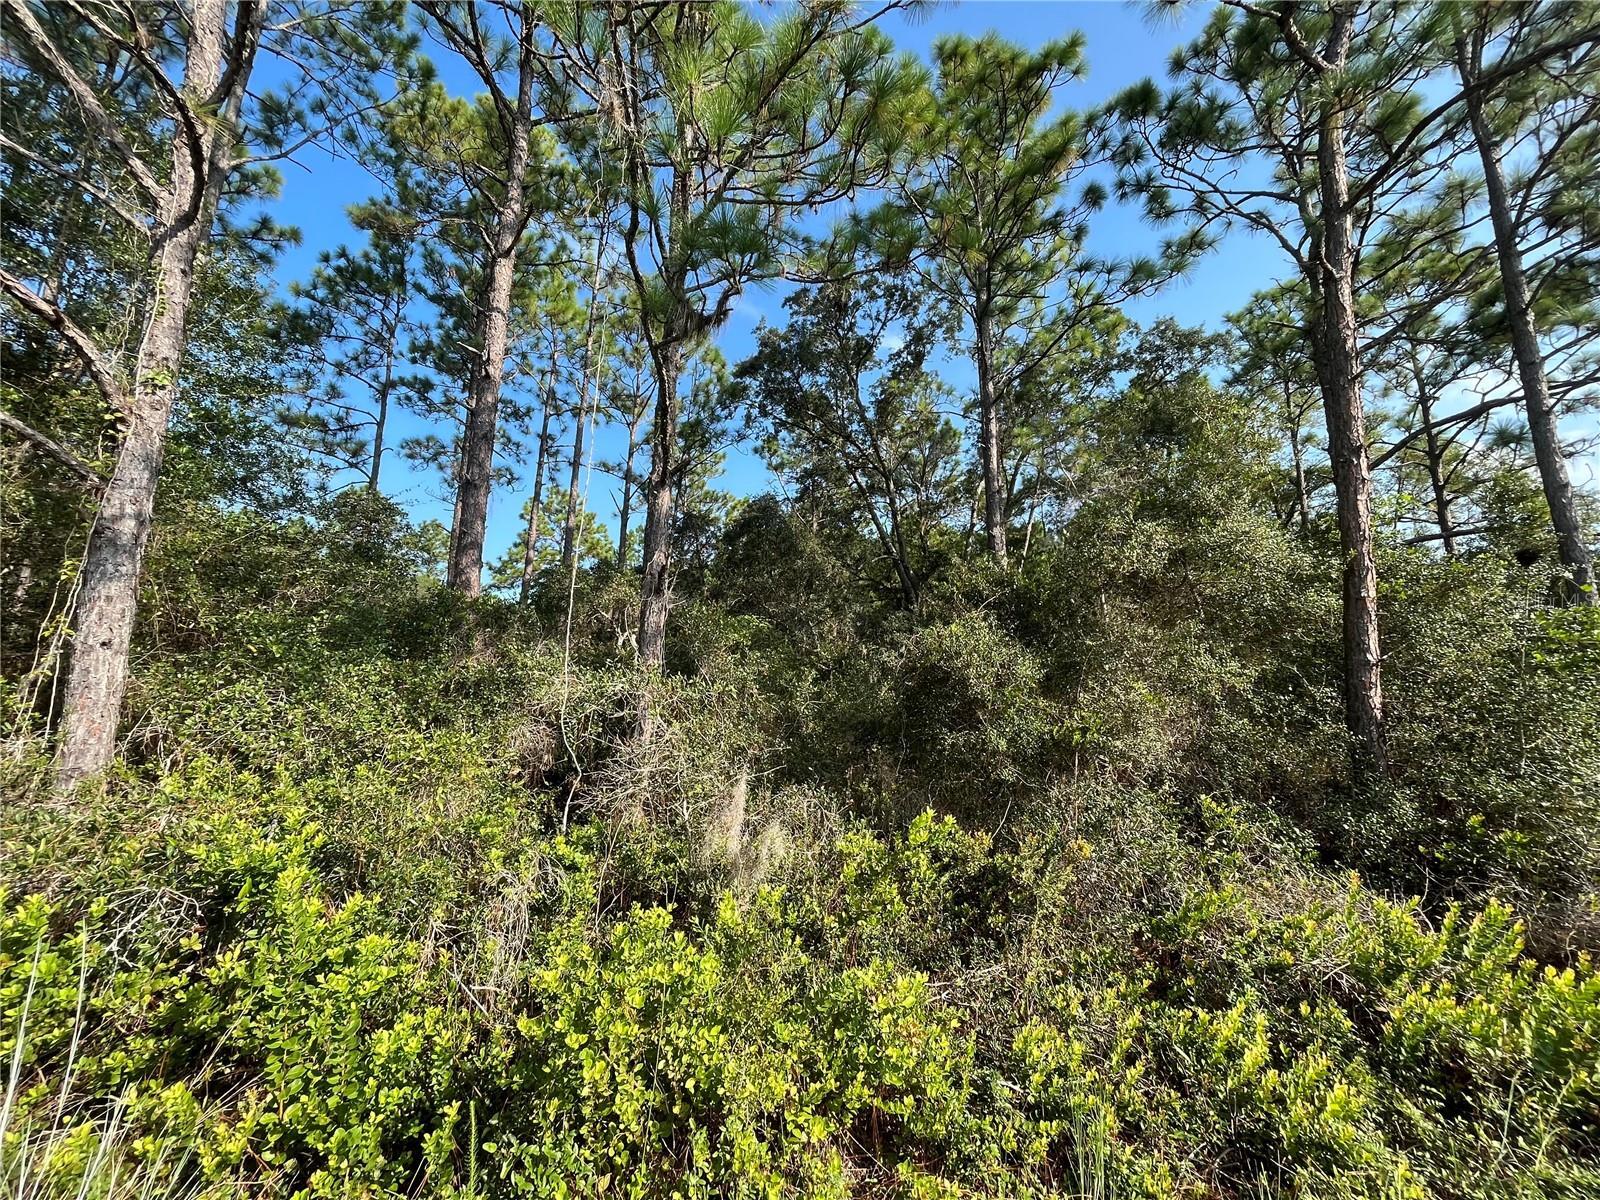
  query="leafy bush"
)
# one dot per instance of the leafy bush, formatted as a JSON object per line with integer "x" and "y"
{"x": 1040, "y": 888}
{"x": 226, "y": 1002}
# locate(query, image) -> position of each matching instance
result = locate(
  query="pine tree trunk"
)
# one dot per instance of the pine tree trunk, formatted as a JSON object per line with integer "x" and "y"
{"x": 1547, "y": 452}
{"x": 989, "y": 447}
{"x": 1339, "y": 373}
{"x": 380, "y": 425}
{"x": 625, "y": 506}
{"x": 569, "y": 520}
{"x": 589, "y": 388}
{"x": 1435, "y": 452}
{"x": 530, "y": 545}
{"x": 667, "y": 354}
{"x": 656, "y": 588}
{"x": 465, "y": 573}
{"x": 108, "y": 604}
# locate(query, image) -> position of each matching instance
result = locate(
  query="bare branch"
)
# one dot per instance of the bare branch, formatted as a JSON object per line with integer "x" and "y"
{"x": 87, "y": 474}
{"x": 82, "y": 344}
{"x": 135, "y": 219}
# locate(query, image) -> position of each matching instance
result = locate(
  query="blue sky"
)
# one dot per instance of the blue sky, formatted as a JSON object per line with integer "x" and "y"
{"x": 1122, "y": 46}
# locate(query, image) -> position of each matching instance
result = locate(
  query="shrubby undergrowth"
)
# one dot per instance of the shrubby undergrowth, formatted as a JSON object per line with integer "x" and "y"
{"x": 977, "y": 903}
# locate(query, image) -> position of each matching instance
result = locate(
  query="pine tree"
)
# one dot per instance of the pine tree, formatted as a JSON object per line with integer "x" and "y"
{"x": 1500, "y": 105}
{"x": 555, "y": 308}
{"x": 353, "y": 310}
{"x": 504, "y": 172}
{"x": 1307, "y": 123}
{"x": 989, "y": 194}
{"x": 725, "y": 126}
{"x": 330, "y": 56}
{"x": 510, "y": 572}
{"x": 591, "y": 378}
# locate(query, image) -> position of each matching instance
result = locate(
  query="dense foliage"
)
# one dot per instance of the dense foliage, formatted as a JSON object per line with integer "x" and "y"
{"x": 376, "y": 905}
{"x": 932, "y": 859}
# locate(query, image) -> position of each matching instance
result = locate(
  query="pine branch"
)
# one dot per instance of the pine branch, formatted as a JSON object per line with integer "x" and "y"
{"x": 22, "y": 19}
{"x": 87, "y": 474}
{"x": 82, "y": 344}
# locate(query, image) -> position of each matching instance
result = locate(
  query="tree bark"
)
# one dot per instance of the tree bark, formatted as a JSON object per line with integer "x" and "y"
{"x": 1547, "y": 452}
{"x": 1339, "y": 373}
{"x": 108, "y": 605}
{"x": 989, "y": 447}
{"x": 465, "y": 572}
{"x": 666, "y": 356}
{"x": 655, "y": 597}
